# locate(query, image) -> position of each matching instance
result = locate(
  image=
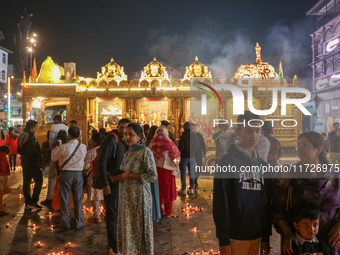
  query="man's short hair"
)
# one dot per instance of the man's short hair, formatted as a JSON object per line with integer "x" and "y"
{"x": 267, "y": 127}
{"x": 186, "y": 125}
{"x": 123, "y": 121}
{"x": 58, "y": 118}
{"x": 73, "y": 121}
{"x": 335, "y": 123}
{"x": 324, "y": 134}
{"x": 18, "y": 126}
{"x": 247, "y": 116}
{"x": 30, "y": 124}
{"x": 74, "y": 132}
{"x": 305, "y": 211}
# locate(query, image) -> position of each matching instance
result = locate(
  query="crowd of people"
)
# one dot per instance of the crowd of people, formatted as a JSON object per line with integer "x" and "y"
{"x": 132, "y": 171}
{"x": 304, "y": 209}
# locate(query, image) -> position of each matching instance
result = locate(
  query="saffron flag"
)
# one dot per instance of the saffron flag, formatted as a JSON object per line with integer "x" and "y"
{"x": 34, "y": 70}
{"x": 24, "y": 79}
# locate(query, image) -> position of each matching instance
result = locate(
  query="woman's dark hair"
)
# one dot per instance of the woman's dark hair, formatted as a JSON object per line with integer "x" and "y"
{"x": 136, "y": 127}
{"x": 4, "y": 149}
{"x": 146, "y": 127}
{"x": 48, "y": 134}
{"x": 97, "y": 138}
{"x": 30, "y": 124}
{"x": 12, "y": 134}
{"x": 62, "y": 135}
{"x": 152, "y": 132}
{"x": 94, "y": 131}
{"x": 305, "y": 210}
{"x": 102, "y": 131}
{"x": 316, "y": 140}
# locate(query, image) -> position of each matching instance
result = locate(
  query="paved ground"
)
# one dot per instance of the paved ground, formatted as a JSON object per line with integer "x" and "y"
{"x": 173, "y": 236}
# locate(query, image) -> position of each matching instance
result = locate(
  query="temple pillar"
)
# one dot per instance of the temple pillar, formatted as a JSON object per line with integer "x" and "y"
{"x": 79, "y": 109}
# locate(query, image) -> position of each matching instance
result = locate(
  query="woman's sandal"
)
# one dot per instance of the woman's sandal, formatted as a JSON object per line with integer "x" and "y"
{"x": 3, "y": 213}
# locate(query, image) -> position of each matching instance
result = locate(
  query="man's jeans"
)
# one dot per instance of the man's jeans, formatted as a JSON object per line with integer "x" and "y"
{"x": 31, "y": 169}
{"x": 71, "y": 180}
{"x": 190, "y": 163}
{"x": 52, "y": 178}
{"x": 111, "y": 207}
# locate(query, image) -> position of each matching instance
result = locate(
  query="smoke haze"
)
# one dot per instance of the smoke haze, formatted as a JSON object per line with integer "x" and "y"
{"x": 223, "y": 51}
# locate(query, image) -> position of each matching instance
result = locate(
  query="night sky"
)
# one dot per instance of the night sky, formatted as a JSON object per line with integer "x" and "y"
{"x": 221, "y": 33}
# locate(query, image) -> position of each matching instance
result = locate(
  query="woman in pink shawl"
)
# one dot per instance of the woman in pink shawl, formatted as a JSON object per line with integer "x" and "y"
{"x": 166, "y": 156}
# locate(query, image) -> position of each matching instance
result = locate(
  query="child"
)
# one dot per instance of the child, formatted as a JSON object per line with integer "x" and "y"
{"x": 241, "y": 205}
{"x": 4, "y": 173}
{"x": 305, "y": 218}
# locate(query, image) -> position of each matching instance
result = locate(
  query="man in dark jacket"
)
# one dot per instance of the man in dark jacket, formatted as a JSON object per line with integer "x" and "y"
{"x": 110, "y": 157}
{"x": 241, "y": 205}
{"x": 29, "y": 149}
{"x": 187, "y": 158}
{"x": 199, "y": 152}
{"x": 334, "y": 139}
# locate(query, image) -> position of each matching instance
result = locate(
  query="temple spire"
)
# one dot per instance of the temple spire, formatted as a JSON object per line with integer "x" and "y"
{"x": 258, "y": 53}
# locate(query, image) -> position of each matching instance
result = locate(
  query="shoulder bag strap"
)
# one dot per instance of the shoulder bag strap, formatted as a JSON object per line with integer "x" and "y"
{"x": 74, "y": 152}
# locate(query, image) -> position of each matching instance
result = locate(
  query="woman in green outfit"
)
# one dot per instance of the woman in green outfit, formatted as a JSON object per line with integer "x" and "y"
{"x": 135, "y": 227}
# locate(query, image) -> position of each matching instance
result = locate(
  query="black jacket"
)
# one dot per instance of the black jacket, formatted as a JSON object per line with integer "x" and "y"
{"x": 186, "y": 146}
{"x": 334, "y": 142}
{"x": 241, "y": 201}
{"x": 30, "y": 150}
{"x": 106, "y": 162}
{"x": 200, "y": 145}
{"x": 172, "y": 137}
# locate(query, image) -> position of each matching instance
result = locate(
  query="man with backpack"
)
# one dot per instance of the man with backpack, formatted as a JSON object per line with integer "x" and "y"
{"x": 29, "y": 149}
{"x": 110, "y": 157}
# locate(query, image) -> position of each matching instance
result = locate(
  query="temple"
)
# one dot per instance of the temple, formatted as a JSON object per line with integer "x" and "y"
{"x": 100, "y": 102}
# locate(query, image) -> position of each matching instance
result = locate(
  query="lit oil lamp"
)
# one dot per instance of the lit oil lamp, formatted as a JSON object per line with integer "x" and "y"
{"x": 7, "y": 225}
{"x": 39, "y": 244}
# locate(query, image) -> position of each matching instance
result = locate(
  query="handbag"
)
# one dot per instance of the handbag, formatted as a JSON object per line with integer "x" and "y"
{"x": 59, "y": 168}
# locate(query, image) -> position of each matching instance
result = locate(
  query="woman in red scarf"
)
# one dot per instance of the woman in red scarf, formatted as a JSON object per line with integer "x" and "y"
{"x": 166, "y": 156}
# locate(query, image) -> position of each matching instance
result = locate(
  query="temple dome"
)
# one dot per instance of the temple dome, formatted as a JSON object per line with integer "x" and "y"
{"x": 112, "y": 70}
{"x": 197, "y": 70}
{"x": 257, "y": 70}
{"x": 154, "y": 70}
{"x": 261, "y": 70}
